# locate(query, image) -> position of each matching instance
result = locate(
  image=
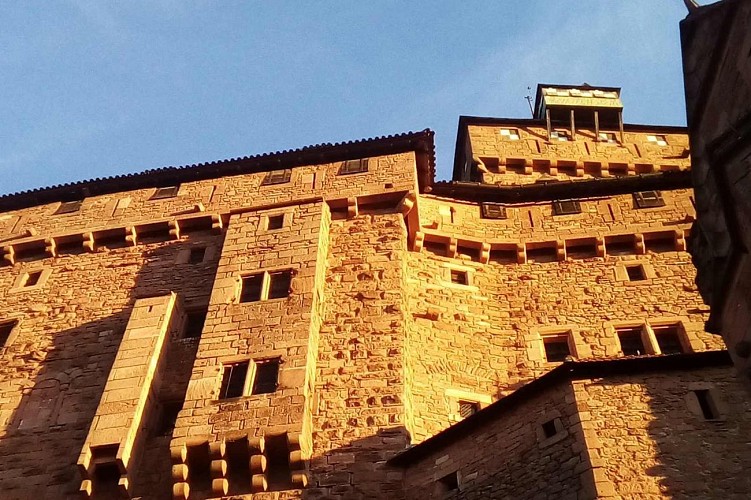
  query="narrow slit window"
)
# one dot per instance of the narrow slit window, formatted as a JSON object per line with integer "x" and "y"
{"x": 194, "y": 322}
{"x": 648, "y": 199}
{"x": 277, "y": 177}
{"x": 631, "y": 341}
{"x": 252, "y": 286}
{"x": 354, "y": 166}
{"x": 197, "y": 254}
{"x": 668, "y": 339}
{"x": 69, "y": 207}
{"x": 233, "y": 380}
{"x": 566, "y": 207}
{"x": 266, "y": 377}
{"x": 165, "y": 192}
{"x": 6, "y": 328}
{"x": 279, "y": 284}
{"x": 32, "y": 278}
{"x": 635, "y": 273}
{"x": 275, "y": 222}
{"x": 556, "y": 348}
{"x": 707, "y": 404}
{"x": 459, "y": 277}
{"x": 468, "y": 408}
{"x": 493, "y": 211}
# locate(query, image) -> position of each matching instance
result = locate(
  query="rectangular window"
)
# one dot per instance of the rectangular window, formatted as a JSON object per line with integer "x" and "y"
{"x": 252, "y": 288}
{"x": 493, "y": 211}
{"x": 435, "y": 247}
{"x": 560, "y": 135}
{"x": 6, "y": 328}
{"x": 194, "y": 321}
{"x": 165, "y": 192}
{"x": 707, "y": 404}
{"x": 275, "y": 222}
{"x": 447, "y": 484}
{"x": 648, "y": 199}
{"x": 277, "y": 177}
{"x": 279, "y": 284}
{"x": 233, "y": 380}
{"x": 549, "y": 429}
{"x": 660, "y": 140}
{"x": 668, "y": 339}
{"x": 608, "y": 137}
{"x": 635, "y": 273}
{"x": 354, "y": 166}
{"x": 459, "y": 277}
{"x": 168, "y": 416}
{"x": 510, "y": 134}
{"x": 566, "y": 207}
{"x": 266, "y": 377}
{"x": 556, "y": 348}
{"x": 69, "y": 207}
{"x": 631, "y": 340}
{"x": 197, "y": 255}
{"x": 32, "y": 278}
{"x": 468, "y": 408}
{"x": 265, "y": 286}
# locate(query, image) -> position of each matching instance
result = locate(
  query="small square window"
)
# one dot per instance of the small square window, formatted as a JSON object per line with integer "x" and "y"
{"x": 660, "y": 140}
{"x": 510, "y": 134}
{"x": 6, "y": 328}
{"x": 556, "y": 348}
{"x": 493, "y": 211}
{"x": 32, "y": 278}
{"x": 277, "y": 177}
{"x": 566, "y": 207}
{"x": 275, "y": 222}
{"x": 233, "y": 380}
{"x": 194, "y": 321}
{"x": 354, "y": 166}
{"x": 459, "y": 277}
{"x": 197, "y": 254}
{"x": 608, "y": 137}
{"x": 549, "y": 429}
{"x": 707, "y": 404}
{"x": 468, "y": 408}
{"x": 69, "y": 207}
{"x": 279, "y": 284}
{"x": 266, "y": 377}
{"x": 165, "y": 192}
{"x": 252, "y": 286}
{"x": 560, "y": 135}
{"x": 668, "y": 339}
{"x": 447, "y": 484}
{"x": 631, "y": 341}
{"x": 648, "y": 199}
{"x": 635, "y": 273}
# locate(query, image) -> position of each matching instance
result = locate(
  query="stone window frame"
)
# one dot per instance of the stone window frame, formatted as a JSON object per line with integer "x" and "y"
{"x": 183, "y": 256}
{"x": 470, "y": 285}
{"x": 250, "y": 376}
{"x": 277, "y": 177}
{"x": 649, "y": 339}
{"x": 562, "y": 433}
{"x": 69, "y": 207}
{"x": 620, "y": 272}
{"x": 287, "y": 216}
{"x": 354, "y": 166}
{"x": 536, "y": 344}
{"x": 510, "y": 134}
{"x": 165, "y": 192}
{"x": 441, "y": 481}
{"x": 15, "y": 320}
{"x": 265, "y": 285}
{"x": 18, "y": 285}
{"x": 455, "y": 396}
{"x": 718, "y": 403}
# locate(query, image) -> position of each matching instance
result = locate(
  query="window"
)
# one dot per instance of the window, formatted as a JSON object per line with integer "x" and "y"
{"x": 468, "y": 408}
{"x": 435, "y": 247}
{"x": 197, "y": 255}
{"x": 635, "y": 273}
{"x": 493, "y": 211}
{"x": 265, "y": 286}
{"x": 6, "y": 328}
{"x": 233, "y": 380}
{"x": 660, "y": 140}
{"x": 194, "y": 321}
{"x": 354, "y": 166}
{"x": 266, "y": 377}
{"x": 277, "y": 177}
{"x": 549, "y": 429}
{"x": 648, "y": 199}
{"x": 556, "y": 348}
{"x": 165, "y": 192}
{"x": 32, "y": 278}
{"x": 510, "y": 134}
{"x": 275, "y": 222}
{"x": 69, "y": 207}
{"x": 668, "y": 339}
{"x": 459, "y": 277}
{"x": 447, "y": 484}
{"x": 608, "y": 137}
{"x": 560, "y": 135}
{"x": 566, "y": 207}
{"x": 631, "y": 340}
{"x": 707, "y": 404}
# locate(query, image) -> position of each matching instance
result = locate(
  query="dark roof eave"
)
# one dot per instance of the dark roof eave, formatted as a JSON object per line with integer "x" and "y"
{"x": 557, "y": 190}
{"x": 628, "y": 127}
{"x": 420, "y": 142}
{"x": 570, "y": 370}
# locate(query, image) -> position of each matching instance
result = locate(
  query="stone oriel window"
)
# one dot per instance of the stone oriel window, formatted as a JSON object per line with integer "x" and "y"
{"x": 69, "y": 207}
{"x": 493, "y": 211}
{"x": 277, "y": 177}
{"x": 566, "y": 207}
{"x": 234, "y": 378}
{"x": 354, "y": 166}
{"x": 266, "y": 376}
{"x": 265, "y": 286}
{"x": 648, "y": 199}
{"x": 6, "y": 328}
{"x": 165, "y": 192}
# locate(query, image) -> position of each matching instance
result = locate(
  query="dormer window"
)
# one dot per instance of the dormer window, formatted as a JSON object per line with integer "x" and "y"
{"x": 510, "y": 134}
{"x": 660, "y": 140}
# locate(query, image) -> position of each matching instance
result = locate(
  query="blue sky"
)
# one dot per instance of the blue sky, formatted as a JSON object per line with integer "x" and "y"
{"x": 92, "y": 88}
